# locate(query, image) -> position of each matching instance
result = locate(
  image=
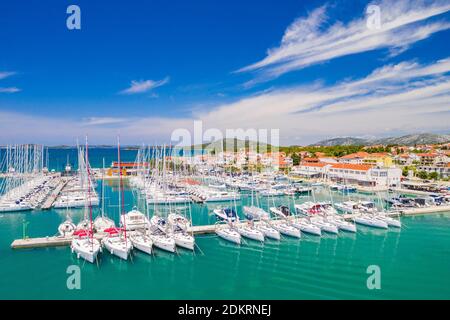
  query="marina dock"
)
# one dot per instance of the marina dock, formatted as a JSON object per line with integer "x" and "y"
{"x": 58, "y": 241}
{"x": 48, "y": 203}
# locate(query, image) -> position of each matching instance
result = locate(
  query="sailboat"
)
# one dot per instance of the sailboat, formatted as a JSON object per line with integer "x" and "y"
{"x": 249, "y": 231}
{"x": 255, "y": 212}
{"x": 67, "y": 228}
{"x": 117, "y": 242}
{"x": 284, "y": 226}
{"x": 161, "y": 240}
{"x": 141, "y": 241}
{"x": 102, "y": 222}
{"x": 268, "y": 230}
{"x": 84, "y": 244}
{"x": 227, "y": 232}
{"x": 178, "y": 220}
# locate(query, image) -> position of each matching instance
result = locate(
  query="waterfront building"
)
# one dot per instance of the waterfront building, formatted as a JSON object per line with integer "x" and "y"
{"x": 348, "y": 173}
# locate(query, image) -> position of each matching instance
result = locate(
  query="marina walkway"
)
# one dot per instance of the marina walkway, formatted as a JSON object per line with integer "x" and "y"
{"x": 58, "y": 241}
{"x": 54, "y": 195}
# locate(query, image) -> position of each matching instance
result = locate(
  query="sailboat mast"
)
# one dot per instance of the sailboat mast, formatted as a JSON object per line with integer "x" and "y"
{"x": 89, "y": 190}
{"x": 121, "y": 198}
{"x": 103, "y": 189}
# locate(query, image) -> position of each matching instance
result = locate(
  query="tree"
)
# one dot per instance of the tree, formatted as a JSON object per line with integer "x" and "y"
{"x": 422, "y": 175}
{"x": 295, "y": 159}
{"x": 433, "y": 175}
{"x": 405, "y": 171}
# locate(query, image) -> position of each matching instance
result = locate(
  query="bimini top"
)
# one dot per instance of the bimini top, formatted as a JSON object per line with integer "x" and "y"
{"x": 230, "y": 213}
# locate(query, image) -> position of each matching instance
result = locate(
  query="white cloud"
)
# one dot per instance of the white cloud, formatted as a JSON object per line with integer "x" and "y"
{"x": 406, "y": 97}
{"x": 307, "y": 41}
{"x": 99, "y": 121}
{"x": 144, "y": 86}
{"x": 9, "y": 90}
{"x": 6, "y": 74}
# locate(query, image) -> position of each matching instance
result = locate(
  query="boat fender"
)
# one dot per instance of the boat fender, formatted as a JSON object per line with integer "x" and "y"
{"x": 78, "y": 255}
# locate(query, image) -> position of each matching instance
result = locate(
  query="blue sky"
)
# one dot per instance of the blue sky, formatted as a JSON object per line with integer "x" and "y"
{"x": 145, "y": 68}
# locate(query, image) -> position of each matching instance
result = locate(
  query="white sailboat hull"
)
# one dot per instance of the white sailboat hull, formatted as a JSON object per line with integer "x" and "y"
{"x": 251, "y": 233}
{"x": 163, "y": 243}
{"x": 184, "y": 241}
{"x": 325, "y": 226}
{"x": 269, "y": 232}
{"x": 142, "y": 243}
{"x": 287, "y": 230}
{"x": 118, "y": 246}
{"x": 307, "y": 228}
{"x": 371, "y": 222}
{"x": 229, "y": 235}
{"x": 86, "y": 249}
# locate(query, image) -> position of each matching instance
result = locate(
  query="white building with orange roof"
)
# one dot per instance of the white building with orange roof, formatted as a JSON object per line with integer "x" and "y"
{"x": 364, "y": 174}
{"x": 349, "y": 173}
{"x": 354, "y": 158}
{"x": 311, "y": 169}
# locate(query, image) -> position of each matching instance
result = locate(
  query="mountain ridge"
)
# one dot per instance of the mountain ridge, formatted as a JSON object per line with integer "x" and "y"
{"x": 408, "y": 140}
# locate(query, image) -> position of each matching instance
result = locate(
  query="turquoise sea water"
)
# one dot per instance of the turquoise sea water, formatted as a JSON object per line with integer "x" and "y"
{"x": 414, "y": 262}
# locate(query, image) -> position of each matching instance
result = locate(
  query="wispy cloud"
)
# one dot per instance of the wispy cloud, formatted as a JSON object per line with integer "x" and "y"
{"x": 405, "y": 97}
{"x": 142, "y": 86}
{"x": 101, "y": 121}
{"x": 9, "y": 90}
{"x": 6, "y": 74}
{"x": 308, "y": 41}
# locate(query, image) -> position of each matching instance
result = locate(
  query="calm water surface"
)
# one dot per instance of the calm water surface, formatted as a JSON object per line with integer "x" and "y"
{"x": 414, "y": 262}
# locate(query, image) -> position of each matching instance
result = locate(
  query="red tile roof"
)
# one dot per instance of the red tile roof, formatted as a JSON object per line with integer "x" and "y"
{"x": 427, "y": 154}
{"x": 350, "y": 166}
{"x": 313, "y": 164}
{"x": 360, "y": 154}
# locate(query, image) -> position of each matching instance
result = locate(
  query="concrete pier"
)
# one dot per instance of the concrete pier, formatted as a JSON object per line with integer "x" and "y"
{"x": 48, "y": 203}
{"x": 57, "y": 241}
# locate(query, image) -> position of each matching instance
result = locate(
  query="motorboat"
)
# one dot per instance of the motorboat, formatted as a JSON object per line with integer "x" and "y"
{"x": 134, "y": 220}
{"x": 226, "y": 214}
